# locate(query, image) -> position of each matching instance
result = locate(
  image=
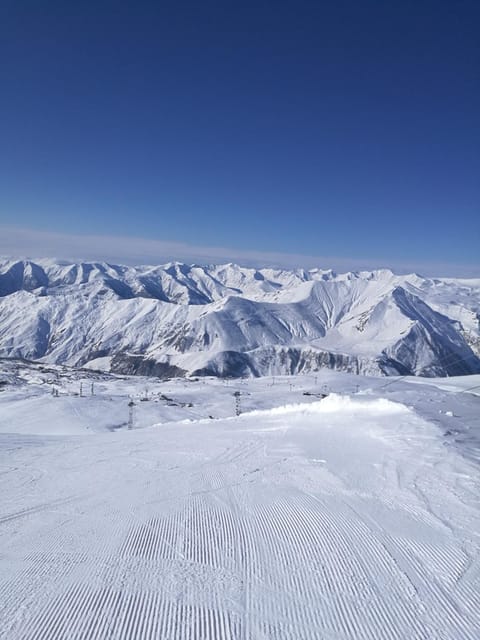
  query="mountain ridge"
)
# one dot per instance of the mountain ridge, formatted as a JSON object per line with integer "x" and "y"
{"x": 231, "y": 320}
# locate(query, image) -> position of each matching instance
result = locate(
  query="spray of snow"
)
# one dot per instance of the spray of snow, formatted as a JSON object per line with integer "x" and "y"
{"x": 336, "y": 403}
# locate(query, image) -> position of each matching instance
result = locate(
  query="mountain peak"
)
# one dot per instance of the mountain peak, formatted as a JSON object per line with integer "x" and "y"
{"x": 226, "y": 316}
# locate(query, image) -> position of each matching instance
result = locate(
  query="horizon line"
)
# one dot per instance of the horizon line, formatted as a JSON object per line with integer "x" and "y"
{"x": 34, "y": 244}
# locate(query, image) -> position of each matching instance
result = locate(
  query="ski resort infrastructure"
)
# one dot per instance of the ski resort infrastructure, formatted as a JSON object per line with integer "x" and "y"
{"x": 247, "y": 482}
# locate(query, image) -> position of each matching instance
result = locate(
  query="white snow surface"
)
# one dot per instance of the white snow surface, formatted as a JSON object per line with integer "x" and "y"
{"x": 227, "y": 320}
{"x": 355, "y": 516}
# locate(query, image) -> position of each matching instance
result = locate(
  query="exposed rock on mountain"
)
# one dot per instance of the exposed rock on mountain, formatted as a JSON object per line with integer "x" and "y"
{"x": 227, "y": 320}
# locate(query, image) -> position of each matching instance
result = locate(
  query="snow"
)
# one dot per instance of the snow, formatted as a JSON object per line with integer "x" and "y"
{"x": 335, "y": 403}
{"x": 233, "y": 321}
{"x": 99, "y": 364}
{"x": 354, "y": 517}
{"x": 470, "y": 384}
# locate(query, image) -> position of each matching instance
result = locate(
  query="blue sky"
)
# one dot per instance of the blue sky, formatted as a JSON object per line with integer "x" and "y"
{"x": 345, "y": 130}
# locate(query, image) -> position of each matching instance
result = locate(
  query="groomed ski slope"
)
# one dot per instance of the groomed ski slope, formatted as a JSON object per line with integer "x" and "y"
{"x": 346, "y": 518}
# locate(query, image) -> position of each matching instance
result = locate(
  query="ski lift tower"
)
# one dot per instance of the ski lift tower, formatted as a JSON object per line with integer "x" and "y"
{"x": 237, "y": 403}
{"x": 131, "y": 404}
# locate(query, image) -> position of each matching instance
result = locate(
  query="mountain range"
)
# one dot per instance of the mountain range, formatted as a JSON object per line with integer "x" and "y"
{"x": 226, "y": 320}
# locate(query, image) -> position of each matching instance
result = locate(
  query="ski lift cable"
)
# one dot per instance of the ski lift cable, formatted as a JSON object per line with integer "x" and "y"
{"x": 449, "y": 361}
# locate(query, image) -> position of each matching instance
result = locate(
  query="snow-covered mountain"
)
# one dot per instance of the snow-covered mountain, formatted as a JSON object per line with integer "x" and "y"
{"x": 227, "y": 320}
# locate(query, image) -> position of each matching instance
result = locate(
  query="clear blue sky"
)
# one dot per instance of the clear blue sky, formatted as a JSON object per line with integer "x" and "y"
{"x": 344, "y": 128}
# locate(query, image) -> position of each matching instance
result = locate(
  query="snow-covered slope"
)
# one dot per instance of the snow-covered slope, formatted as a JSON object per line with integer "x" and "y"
{"x": 355, "y": 517}
{"x": 229, "y": 320}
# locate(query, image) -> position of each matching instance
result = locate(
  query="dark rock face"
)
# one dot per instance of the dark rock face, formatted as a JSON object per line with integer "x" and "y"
{"x": 139, "y": 365}
{"x": 229, "y": 364}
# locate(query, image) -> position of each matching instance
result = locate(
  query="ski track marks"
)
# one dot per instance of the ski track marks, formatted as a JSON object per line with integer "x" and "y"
{"x": 231, "y": 546}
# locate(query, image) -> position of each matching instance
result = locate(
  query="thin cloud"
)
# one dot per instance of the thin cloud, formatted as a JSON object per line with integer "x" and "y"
{"x": 31, "y": 243}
